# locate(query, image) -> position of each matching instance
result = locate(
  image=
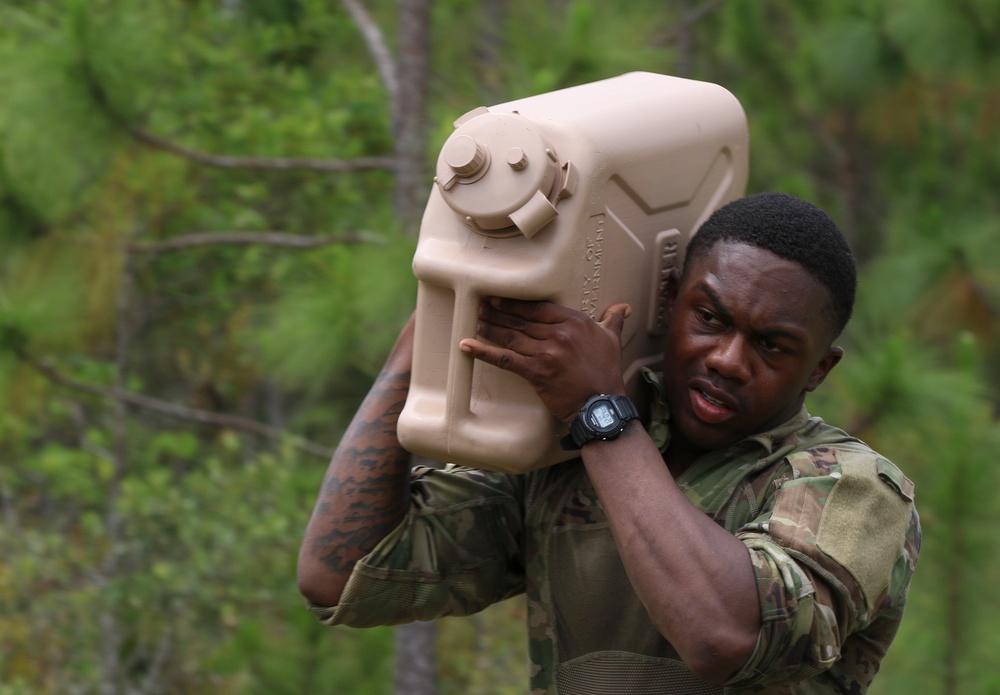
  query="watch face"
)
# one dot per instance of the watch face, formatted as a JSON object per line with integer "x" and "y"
{"x": 603, "y": 415}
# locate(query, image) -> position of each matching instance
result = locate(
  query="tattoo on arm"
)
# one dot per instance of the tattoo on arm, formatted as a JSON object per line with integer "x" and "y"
{"x": 365, "y": 494}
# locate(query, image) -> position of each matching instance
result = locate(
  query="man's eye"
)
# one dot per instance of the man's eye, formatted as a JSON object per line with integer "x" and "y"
{"x": 770, "y": 346}
{"x": 708, "y": 317}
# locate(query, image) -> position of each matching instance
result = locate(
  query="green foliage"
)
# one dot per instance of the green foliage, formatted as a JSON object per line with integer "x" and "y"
{"x": 211, "y": 595}
{"x": 141, "y": 551}
{"x": 55, "y": 136}
{"x": 484, "y": 654}
{"x": 41, "y": 305}
{"x": 344, "y": 311}
{"x": 919, "y": 30}
{"x": 846, "y": 53}
{"x": 948, "y": 439}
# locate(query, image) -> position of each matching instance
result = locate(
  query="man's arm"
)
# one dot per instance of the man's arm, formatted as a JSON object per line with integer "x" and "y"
{"x": 364, "y": 494}
{"x": 694, "y": 578}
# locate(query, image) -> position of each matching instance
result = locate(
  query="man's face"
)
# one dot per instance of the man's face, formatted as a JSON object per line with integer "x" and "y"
{"x": 748, "y": 335}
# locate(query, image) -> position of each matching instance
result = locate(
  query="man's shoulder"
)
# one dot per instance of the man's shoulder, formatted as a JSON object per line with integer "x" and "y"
{"x": 821, "y": 449}
{"x": 853, "y": 504}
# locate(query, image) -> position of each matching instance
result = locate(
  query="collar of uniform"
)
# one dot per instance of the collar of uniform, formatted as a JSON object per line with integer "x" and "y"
{"x": 658, "y": 426}
{"x": 772, "y": 437}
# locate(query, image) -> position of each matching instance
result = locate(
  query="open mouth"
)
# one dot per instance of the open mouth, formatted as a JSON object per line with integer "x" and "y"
{"x": 711, "y": 400}
{"x": 708, "y": 409}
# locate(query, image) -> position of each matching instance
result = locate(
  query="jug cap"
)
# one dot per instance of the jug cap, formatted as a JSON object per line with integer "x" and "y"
{"x": 499, "y": 172}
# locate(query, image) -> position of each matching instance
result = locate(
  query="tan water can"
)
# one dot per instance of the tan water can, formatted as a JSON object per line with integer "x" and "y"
{"x": 583, "y": 196}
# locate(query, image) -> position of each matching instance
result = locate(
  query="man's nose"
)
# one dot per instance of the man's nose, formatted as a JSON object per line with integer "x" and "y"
{"x": 729, "y": 358}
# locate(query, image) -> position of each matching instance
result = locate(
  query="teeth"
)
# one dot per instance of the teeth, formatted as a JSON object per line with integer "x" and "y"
{"x": 711, "y": 400}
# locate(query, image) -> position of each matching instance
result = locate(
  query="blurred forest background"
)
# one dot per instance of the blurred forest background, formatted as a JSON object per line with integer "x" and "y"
{"x": 207, "y": 214}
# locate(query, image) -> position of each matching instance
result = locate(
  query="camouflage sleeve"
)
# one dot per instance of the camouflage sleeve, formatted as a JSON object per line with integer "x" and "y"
{"x": 457, "y": 552}
{"x": 833, "y": 556}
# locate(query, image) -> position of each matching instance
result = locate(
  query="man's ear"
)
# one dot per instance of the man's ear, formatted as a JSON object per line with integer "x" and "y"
{"x": 825, "y": 366}
{"x": 669, "y": 296}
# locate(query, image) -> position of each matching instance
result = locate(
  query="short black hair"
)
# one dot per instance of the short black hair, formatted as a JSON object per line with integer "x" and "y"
{"x": 790, "y": 228}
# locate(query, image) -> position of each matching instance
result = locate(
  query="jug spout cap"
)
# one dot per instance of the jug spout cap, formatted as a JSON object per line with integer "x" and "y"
{"x": 466, "y": 156}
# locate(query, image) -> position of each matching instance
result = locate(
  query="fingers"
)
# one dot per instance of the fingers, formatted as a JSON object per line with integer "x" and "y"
{"x": 521, "y": 315}
{"x": 518, "y": 325}
{"x": 563, "y": 354}
{"x": 504, "y": 359}
{"x": 614, "y": 317}
{"x": 521, "y": 312}
{"x": 620, "y": 309}
{"x": 520, "y": 336}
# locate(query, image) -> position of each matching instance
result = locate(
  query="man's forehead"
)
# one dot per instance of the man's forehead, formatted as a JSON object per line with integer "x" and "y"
{"x": 739, "y": 258}
{"x": 739, "y": 274}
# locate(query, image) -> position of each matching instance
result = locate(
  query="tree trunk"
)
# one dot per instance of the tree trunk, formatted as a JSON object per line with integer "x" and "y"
{"x": 489, "y": 50}
{"x": 416, "y": 659}
{"x": 685, "y": 41}
{"x": 113, "y": 677}
{"x": 415, "y": 663}
{"x": 409, "y": 117}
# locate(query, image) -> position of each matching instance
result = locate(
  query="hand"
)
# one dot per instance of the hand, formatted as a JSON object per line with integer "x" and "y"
{"x": 564, "y": 354}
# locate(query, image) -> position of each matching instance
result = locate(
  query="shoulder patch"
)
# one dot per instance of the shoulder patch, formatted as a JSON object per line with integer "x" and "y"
{"x": 813, "y": 463}
{"x": 865, "y": 519}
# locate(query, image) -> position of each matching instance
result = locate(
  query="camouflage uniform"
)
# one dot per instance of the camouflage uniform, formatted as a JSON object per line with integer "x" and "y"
{"x": 830, "y": 525}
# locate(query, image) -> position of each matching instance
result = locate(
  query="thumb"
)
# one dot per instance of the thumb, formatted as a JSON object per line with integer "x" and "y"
{"x": 614, "y": 317}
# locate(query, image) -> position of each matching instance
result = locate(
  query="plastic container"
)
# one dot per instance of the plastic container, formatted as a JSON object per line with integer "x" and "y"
{"x": 584, "y": 196}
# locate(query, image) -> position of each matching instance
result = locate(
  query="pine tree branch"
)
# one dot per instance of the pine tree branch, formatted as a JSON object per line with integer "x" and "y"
{"x": 175, "y": 410}
{"x": 259, "y": 163}
{"x": 101, "y": 98}
{"x": 377, "y": 47}
{"x": 296, "y": 241}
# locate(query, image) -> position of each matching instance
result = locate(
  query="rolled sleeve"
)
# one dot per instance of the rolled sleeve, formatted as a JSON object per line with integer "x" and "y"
{"x": 799, "y": 635}
{"x": 827, "y": 563}
{"x": 457, "y": 552}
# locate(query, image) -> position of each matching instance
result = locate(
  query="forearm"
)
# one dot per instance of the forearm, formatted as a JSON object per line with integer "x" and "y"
{"x": 364, "y": 494}
{"x": 694, "y": 578}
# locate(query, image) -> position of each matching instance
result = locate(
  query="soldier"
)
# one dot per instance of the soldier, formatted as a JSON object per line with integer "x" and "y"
{"x": 733, "y": 543}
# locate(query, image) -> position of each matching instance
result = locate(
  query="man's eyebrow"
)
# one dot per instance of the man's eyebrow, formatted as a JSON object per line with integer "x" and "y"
{"x": 723, "y": 313}
{"x": 716, "y": 301}
{"x": 770, "y": 333}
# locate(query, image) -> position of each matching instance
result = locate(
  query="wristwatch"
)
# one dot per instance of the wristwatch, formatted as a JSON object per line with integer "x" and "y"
{"x": 601, "y": 417}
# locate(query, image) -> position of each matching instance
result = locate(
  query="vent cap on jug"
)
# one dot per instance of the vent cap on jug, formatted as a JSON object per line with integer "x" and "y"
{"x": 516, "y": 158}
{"x": 500, "y": 174}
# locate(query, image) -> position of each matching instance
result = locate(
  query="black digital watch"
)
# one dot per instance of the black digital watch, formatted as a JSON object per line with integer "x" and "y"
{"x": 601, "y": 417}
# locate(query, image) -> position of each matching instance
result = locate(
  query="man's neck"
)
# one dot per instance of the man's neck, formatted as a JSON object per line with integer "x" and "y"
{"x": 680, "y": 456}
